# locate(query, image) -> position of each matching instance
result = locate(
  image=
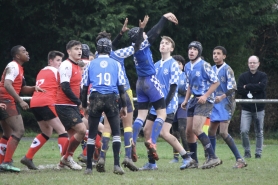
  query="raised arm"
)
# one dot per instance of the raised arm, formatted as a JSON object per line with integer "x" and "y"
{"x": 117, "y": 39}
{"x": 157, "y": 29}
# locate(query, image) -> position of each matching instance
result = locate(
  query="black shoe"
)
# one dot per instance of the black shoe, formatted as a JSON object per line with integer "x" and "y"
{"x": 257, "y": 156}
{"x": 247, "y": 155}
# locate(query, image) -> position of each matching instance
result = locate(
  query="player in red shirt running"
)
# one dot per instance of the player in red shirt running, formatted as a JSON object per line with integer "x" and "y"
{"x": 43, "y": 107}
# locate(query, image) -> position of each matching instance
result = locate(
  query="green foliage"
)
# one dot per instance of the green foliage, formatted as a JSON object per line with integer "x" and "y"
{"x": 243, "y": 27}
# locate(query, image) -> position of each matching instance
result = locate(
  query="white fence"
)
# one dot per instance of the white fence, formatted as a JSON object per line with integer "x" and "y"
{"x": 237, "y": 100}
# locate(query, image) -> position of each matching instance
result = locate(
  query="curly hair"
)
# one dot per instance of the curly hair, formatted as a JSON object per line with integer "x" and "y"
{"x": 103, "y": 34}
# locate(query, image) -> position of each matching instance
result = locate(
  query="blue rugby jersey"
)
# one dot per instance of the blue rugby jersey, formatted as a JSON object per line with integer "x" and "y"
{"x": 227, "y": 82}
{"x": 167, "y": 72}
{"x": 120, "y": 55}
{"x": 105, "y": 74}
{"x": 144, "y": 61}
{"x": 200, "y": 76}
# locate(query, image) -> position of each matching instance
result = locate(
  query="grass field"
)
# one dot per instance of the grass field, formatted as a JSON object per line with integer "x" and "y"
{"x": 259, "y": 171}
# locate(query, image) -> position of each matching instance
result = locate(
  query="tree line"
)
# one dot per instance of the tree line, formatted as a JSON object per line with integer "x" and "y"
{"x": 244, "y": 28}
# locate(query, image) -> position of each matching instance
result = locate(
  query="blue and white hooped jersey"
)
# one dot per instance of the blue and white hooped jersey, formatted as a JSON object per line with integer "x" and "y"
{"x": 105, "y": 74}
{"x": 120, "y": 55}
{"x": 182, "y": 86}
{"x": 167, "y": 72}
{"x": 223, "y": 110}
{"x": 200, "y": 76}
{"x": 144, "y": 61}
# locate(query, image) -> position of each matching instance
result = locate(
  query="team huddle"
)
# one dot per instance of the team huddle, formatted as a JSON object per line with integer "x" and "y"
{"x": 74, "y": 96}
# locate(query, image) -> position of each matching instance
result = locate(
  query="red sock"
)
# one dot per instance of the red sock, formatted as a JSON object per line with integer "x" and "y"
{"x": 63, "y": 143}
{"x": 38, "y": 142}
{"x": 73, "y": 144}
{"x": 85, "y": 151}
{"x": 98, "y": 139}
{"x": 3, "y": 146}
{"x": 11, "y": 147}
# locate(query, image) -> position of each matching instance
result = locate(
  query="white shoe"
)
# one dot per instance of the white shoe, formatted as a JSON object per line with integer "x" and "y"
{"x": 61, "y": 166}
{"x": 70, "y": 163}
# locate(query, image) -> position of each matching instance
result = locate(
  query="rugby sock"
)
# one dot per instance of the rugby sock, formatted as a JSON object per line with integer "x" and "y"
{"x": 97, "y": 146}
{"x": 230, "y": 142}
{"x": 3, "y": 146}
{"x": 184, "y": 155}
{"x": 137, "y": 125}
{"x": 157, "y": 126}
{"x": 73, "y": 144}
{"x": 104, "y": 143}
{"x": 11, "y": 147}
{"x": 90, "y": 151}
{"x": 37, "y": 143}
{"x": 116, "y": 149}
{"x": 151, "y": 159}
{"x": 84, "y": 152}
{"x": 98, "y": 139}
{"x": 213, "y": 142}
{"x": 128, "y": 141}
{"x": 193, "y": 148}
{"x": 176, "y": 156}
{"x": 63, "y": 143}
{"x": 207, "y": 145}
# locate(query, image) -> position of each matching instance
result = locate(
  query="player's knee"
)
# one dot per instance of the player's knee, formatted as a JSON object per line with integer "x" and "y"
{"x": 20, "y": 132}
{"x": 224, "y": 134}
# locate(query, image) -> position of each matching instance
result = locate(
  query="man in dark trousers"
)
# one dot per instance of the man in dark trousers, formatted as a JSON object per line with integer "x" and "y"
{"x": 252, "y": 85}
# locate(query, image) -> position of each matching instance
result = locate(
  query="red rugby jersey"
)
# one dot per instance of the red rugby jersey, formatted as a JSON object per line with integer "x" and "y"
{"x": 15, "y": 73}
{"x": 69, "y": 72}
{"x": 48, "y": 80}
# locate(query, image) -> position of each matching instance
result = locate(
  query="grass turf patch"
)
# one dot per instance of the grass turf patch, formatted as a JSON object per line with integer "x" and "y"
{"x": 258, "y": 171}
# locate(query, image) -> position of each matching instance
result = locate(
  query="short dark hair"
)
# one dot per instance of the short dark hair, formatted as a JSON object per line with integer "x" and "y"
{"x": 52, "y": 54}
{"x": 224, "y": 51}
{"x": 103, "y": 34}
{"x": 14, "y": 50}
{"x": 72, "y": 43}
{"x": 179, "y": 58}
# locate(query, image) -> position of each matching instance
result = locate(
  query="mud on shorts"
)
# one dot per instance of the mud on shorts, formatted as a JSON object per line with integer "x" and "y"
{"x": 44, "y": 113}
{"x": 12, "y": 109}
{"x": 107, "y": 103}
{"x": 148, "y": 89}
{"x": 69, "y": 115}
{"x": 196, "y": 109}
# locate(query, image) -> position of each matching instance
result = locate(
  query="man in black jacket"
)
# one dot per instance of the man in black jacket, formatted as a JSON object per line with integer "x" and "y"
{"x": 252, "y": 85}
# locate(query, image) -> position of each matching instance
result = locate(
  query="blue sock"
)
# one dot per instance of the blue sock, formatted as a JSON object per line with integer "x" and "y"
{"x": 213, "y": 142}
{"x": 207, "y": 145}
{"x": 104, "y": 144}
{"x": 230, "y": 142}
{"x": 193, "y": 148}
{"x": 137, "y": 125}
{"x": 128, "y": 141}
{"x": 157, "y": 126}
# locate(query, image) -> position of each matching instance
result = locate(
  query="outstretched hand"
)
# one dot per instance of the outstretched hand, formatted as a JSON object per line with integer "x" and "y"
{"x": 171, "y": 17}
{"x": 144, "y": 23}
{"x": 125, "y": 28}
